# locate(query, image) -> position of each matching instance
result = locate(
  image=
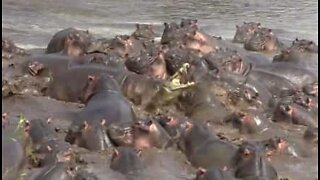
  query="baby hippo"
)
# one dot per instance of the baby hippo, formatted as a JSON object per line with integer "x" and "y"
{"x": 204, "y": 149}
{"x": 126, "y": 160}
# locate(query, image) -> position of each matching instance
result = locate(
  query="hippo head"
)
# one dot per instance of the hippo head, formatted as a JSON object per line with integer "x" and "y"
{"x": 153, "y": 65}
{"x": 148, "y": 133}
{"x": 305, "y": 45}
{"x": 275, "y": 145}
{"x": 121, "y": 134}
{"x": 245, "y": 31}
{"x": 246, "y": 122}
{"x": 229, "y": 62}
{"x": 144, "y": 31}
{"x": 197, "y": 41}
{"x": 170, "y": 32}
{"x": 185, "y": 23}
{"x": 97, "y": 83}
{"x": 174, "y": 125}
{"x": 121, "y": 45}
{"x": 250, "y": 161}
{"x": 283, "y": 112}
{"x": 7, "y": 45}
{"x": 89, "y": 135}
{"x": 126, "y": 160}
{"x": 311, "y": 135}
{"x": 262, "y": 40}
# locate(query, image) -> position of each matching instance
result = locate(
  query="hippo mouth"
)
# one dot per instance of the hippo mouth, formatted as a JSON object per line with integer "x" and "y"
{"x": 124, "y": 135}
{"x": 236, "y": 65}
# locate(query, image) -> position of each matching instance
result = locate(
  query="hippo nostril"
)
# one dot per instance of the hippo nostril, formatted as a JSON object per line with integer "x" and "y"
{"x": 149, "y": 123}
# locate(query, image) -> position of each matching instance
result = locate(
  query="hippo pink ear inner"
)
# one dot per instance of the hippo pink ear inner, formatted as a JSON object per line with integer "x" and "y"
{"x": 201, "y": 171}
{"x": 115, "y": 153}
{"x": 139, "y": 152}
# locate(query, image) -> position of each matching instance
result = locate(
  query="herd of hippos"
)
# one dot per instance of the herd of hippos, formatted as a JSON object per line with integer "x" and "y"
{"x": 139, "y": 93}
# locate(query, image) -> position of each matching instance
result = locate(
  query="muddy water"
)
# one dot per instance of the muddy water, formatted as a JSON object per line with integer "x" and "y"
{"x": 31, "y": 23}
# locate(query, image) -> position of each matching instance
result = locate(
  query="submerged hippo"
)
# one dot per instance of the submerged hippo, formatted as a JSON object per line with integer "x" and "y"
{"x": 149, "y": 133}
{"x": 250, "y": 163}
{"x": 62, "y": 38}
{"x": 263, "y": 40}
{"x": 204, "y": 149}
{"x": 144, "y": 31}
{"x": 9, "y": 49}
{"x": 126, "y": 161}
{"x": 245, "y": 31}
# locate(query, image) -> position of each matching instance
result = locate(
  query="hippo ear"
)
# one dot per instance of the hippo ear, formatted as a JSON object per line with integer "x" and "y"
{"x": 103, "y": 122}
{"x": 310, "y": 42}
{"x": 246, "y": 152}
{"x": 49, "y": 148}
{"x": 195, "y": 21}
{"x": 166, "y": 24}
{"x": 139, "y": 152}
{"x": 259, "y": 24}
{"x": 49, "y": 120}
{"x": 201, "y": 171}
{"x": 244, "y": 22}
{"x": 86, "y": 125}
{"x": 149, "y": 26}
{"x": 138, "y": 26}
{"x": 237, "y": 26}
{"x": 115, "y": 153}
{"x": 188, "y": 125}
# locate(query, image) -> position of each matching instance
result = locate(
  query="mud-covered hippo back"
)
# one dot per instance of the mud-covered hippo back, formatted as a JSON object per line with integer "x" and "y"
{"x": 111, "y": 106}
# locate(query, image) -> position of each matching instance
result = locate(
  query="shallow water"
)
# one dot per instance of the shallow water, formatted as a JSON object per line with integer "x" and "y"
{"x": 32, "y": 23}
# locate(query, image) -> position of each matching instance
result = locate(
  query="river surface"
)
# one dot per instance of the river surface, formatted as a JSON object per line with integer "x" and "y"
{"x": 31, "y": 23}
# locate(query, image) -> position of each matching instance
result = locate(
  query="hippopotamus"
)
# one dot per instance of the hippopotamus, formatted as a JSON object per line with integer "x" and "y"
{"x": 311, "y": 89}
{"x": 144, "y": 32}
{"x": 62, "y": 38}
{"x": 199, "y": 41}
{"x": 297, "y": 75}
{"x": 248, "y": 122}
{"x": 140, "y": 89}
{"x": 229, "y": 61}
{"x": 205, "y": 149}
{"x": 274, "y": 145}
{"x": 121, "y": 134}
{"x": 149, "y": 133}
{"x": 213, "y": 174}
{"x": 200, "y": 105}
{"x": 45, "y": 145}
{"x": 103, "y": 92}
{"x": 91, "y": 135}
{"x": 249, "y": 163}
{"x": 99, "y": 45}
{"x": 126, "y": 46}
{"x": 263, "y": 39}
{"x": 245, "y": 32}
{"x": 69, "y": 86}
{"x": 188, "y": 23}
{"x": 9, "y": 49}
{"x": 173, "y": 124}
{"x": 311, "y": 135}
{"x": 126, "y": 160}
{"x": 274, "y": 83}
{"x": 293, "y": 113}
{"x": 171, "y": 33}
{"x": 304, "y": 45}
{"x": 59, "y": 170}
{"x": 149, "y": 64}
{"x": 46, "y": 65}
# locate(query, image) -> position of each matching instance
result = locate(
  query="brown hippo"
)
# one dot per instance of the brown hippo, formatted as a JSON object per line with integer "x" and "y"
{"x": 9, "y": 49}
{"x": 126, "y": 46}
{"x": 263, "y": 39}
{"x": 144, "y": 32}
{"x": 61, "y": 39}
{"x": 245, "y": 31}
{"x": 250, "y": 163}
{"x": 126, "y": 160}
{"x": 205, "y": 149}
